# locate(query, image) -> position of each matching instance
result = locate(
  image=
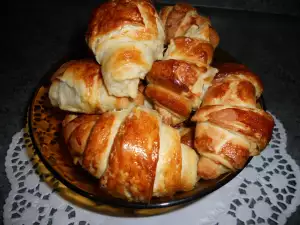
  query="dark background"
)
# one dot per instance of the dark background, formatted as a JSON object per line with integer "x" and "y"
{"x": 37, "y": 36}
{"x": 289, "y": 7}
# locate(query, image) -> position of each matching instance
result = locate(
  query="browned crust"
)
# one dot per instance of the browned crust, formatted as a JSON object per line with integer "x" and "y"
{"x": 170, "y": 100}
{"x": 235, "y": 89}
{"x": 195, "y": 49}
{"x": 69, "y": 127}
{"x": 98, "y": 141}
{"x": 246, "y": 91}
{"x": 176, "y": 75}
{"x": 115, "y": 14}
{"x": 68, "y": 118}
{"x": 188, "y": 137}
{"x": 231, "y": 92}
{"x": 168, "y": 117}
{"x": 235, "y": 154}
{"x": 228, "y": 69}
{"x": 214, "y": 37}
{"x": 215, "y": 91}
{"x": 208, "y": 169}
{"x": 164, "y": 13}
{"x": 133, "y": 158}
{"x": 203, "y": 143}
{"x": 78, "y": 139}
{"x": 84, "y": 69}
{"x": 256, "y": 124}
{"x": 174, "y": 19}
{"x": 124, "y": 56}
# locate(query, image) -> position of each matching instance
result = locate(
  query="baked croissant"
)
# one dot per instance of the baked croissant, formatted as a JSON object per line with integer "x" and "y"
{"x": 182, "y": 19}
{"x": 132, "y": 152}
{"x": 178, "y": 82}
{"x": 126, "y": 37}
{"x": 77, "y": 86}
{"x": 176, "y": 88}
{"x": 230, "y": 127}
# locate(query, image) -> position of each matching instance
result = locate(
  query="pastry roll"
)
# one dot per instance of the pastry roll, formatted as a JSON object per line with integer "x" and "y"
{"x": 133, "y": 153}
{"x": 183, "y": 20}
{"x": 126, "y": 37}
{"x": 178, "y": 82}
{"x": 177, "y": 87}
{"x": 230, "y": 127}
{"x": 77, "y": 86}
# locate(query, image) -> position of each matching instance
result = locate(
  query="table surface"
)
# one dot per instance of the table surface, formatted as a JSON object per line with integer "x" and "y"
{"x": 38, "y": 36}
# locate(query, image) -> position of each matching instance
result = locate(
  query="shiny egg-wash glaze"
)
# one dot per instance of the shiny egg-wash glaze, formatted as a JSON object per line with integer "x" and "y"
{"x": 178, "y": 82}
{"x": 133, "y": 153}
{"x": 78, "y": 86}
{"x": 126, "y": 37}
{"x": 230, "y": 127}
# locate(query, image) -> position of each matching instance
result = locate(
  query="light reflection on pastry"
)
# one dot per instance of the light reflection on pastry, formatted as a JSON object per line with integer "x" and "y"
{"x": 178, "y": 82}
{"x": 77, "y": 86}
{"x": 133, "y": 153}
{"x": 230, "y": 127}
{"x": 126, "y": 37}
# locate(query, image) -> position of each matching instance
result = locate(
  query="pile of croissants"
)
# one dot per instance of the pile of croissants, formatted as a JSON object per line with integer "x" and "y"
{"x": 129, "y": 107}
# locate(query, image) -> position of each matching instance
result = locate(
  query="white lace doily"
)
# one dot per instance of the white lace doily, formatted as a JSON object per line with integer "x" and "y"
{"x": 265, "y": 192}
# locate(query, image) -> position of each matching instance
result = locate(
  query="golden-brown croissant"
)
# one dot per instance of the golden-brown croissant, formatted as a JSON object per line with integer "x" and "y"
{"x": 183, "y": 20}
{"x": 77, "y": 86}
{"x": 132, "y": 152}
{"x": 178, "y": 82}
{"x": 126, "y": 37}
{"x": 177, "y": 87}
{"x": 230, "y": 127}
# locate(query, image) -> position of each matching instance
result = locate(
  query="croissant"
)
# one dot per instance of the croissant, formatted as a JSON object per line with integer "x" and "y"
{"x": 176, "y": 88}
{"x": 178, "y": 82}
{"x": 230, "y": 127}
{"x": 182, "y": 19}
{"x": 126, "y": 37}
{"x": 77, "y": 86}
{"x": 133, "y": 153}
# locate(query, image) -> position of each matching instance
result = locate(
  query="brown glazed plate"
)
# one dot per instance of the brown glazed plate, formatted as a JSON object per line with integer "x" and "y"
{"x": 44, "y": 123}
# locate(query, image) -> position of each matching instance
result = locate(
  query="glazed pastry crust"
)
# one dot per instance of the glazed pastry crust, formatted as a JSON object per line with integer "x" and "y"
{"x": 77, "y": 86}
{"x": 133, "y": 153}
{"x": 230, "y": 127}
{"x": 126, "y": 37}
